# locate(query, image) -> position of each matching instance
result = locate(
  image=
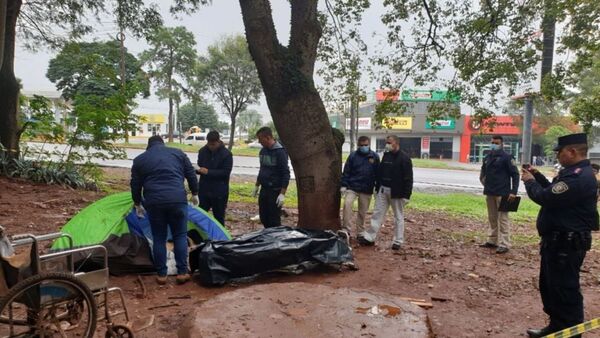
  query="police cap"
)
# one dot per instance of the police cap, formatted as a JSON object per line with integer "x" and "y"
{"x": 580, "y": 138}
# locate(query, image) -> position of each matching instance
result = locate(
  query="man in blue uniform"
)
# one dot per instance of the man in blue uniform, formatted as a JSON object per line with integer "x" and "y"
{"x": 500, "y": 178}
{"x": 358, "y": 180}
{"x": 273, "y": 178}
{"x": 158, "y": 174}
{"x": 565, "y": 221}
{"x": 215, "y": 163}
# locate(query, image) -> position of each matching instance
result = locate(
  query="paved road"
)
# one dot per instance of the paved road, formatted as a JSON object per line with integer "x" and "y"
{"x": 425, "y": 178}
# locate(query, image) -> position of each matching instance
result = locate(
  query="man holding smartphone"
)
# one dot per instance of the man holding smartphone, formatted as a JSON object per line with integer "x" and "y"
{"x": 500, "y": 177}
{"x": 567, "y": 216}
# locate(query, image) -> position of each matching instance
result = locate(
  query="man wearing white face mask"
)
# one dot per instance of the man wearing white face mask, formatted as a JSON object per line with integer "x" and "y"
{"x": 358, "y": 181}
{"x": 497, "y": 173}
{"x": 394, "y": 186}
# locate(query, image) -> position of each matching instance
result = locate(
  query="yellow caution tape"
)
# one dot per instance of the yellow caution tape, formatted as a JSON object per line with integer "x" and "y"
{"x": 577, "y": 329}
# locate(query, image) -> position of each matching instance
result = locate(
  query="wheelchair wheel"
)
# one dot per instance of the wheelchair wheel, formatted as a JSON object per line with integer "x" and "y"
{"x": 48, "y": 305}
{"x": 119, "y": 331}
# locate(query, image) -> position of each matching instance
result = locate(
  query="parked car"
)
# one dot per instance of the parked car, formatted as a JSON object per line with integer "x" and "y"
{"x": 254, "y": 144}
{"x": 166, "y": 135}
{"x": 195, "y": 139}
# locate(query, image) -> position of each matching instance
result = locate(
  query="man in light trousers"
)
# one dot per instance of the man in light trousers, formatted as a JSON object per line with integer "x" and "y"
{"x": 358, "y": 181}
{"x": 500, "y": 178}
{"x": 394, "y": 188}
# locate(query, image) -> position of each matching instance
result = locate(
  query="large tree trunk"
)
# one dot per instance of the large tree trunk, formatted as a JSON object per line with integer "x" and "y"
{"x": 9, "y": 87}
{"x": 286, "y": 74}
{"x": 2, "y": 27}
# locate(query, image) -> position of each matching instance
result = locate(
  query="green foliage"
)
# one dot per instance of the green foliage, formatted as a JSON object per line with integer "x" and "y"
{"x": 170, "y": 59}
{"x": 230, "y": 75}
{"x": 93, "y": 68}
{"x": 38, "y": 120}
{"x": 49, "y": 172}
{"x": 585, "y": 107}
{"x": 550, "y": 137}
{"x": 201, "y": 114}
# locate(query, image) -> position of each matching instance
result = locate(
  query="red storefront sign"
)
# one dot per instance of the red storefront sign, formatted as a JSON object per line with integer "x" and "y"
{"x": 387, "y": 94}
{"x": 425, "y": 143}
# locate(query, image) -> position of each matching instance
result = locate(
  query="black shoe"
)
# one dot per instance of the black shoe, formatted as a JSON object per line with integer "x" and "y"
{"x": 535, "y": 333}
{"x": 364, "y": 241}
{"x": 502, "y": 250}
{"x": 488, "y": 245}
{"x": 396, "y": 246}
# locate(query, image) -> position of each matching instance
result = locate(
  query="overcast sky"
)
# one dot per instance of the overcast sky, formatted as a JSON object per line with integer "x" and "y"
{"x": 223, "y": 17}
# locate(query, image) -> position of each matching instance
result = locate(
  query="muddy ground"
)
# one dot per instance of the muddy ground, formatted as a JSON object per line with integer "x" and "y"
{"x": 474, "y": 292}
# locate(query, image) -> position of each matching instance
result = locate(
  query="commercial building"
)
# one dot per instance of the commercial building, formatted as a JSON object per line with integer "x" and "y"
{"x": 419, "y": 137}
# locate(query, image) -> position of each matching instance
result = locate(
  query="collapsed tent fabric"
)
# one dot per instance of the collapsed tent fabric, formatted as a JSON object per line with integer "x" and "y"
{"x": 267, "y": 250}
{"x": 112, "y": 222}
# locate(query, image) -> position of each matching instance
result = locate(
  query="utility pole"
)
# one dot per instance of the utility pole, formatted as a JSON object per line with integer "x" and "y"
{"x": 527, "y": 129}
{"x": 353, "y": 113}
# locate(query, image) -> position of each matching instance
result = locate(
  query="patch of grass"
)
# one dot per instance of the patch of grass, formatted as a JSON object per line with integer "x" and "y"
{"x": 241, "y": 150}
{"x": 242, "y": 192}
{"x": 468, "y": 205}
{"x": 244, "y": 150}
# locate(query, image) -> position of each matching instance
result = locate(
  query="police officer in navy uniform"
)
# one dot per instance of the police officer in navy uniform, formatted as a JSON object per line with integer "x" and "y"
{"x": 567, "y": 216}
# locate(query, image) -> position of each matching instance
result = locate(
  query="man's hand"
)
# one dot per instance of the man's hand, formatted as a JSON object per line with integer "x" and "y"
{"x": 511, "y": 197}
{"x": 526, "y": 175}
{"x": 405, "y": 201}
{"x": 195, "y": 201}
{"x": 343, "y": 190}
{"x": 255, "y": 191}
{"x": 140, "y": 211}
{"x": 203, "y": 171}
{"x": 280, "y": 200}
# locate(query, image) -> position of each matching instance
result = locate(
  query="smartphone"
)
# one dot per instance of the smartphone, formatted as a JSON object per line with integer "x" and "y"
{"x": 526, "y": 166}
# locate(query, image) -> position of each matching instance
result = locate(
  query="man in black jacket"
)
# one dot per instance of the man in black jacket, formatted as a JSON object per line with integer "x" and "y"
{"x": 394, "y": 187}
{"x": 273, "y": 178}
{"x": 158, "y": 174}
{"x": 567, "y": 216}
{"x": 215, "y": 163}
{"x": 500, "y": 178}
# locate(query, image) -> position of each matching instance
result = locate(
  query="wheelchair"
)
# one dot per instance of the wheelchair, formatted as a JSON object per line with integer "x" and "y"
{"x": 42, "y": 294}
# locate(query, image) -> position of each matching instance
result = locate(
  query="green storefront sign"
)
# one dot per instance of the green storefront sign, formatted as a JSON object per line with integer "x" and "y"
{"x": 441, "y": 124}
{"x": 417, "y": 95}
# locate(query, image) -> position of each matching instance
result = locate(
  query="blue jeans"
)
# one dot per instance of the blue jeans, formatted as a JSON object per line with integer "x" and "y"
{"x": 173, "y": 215}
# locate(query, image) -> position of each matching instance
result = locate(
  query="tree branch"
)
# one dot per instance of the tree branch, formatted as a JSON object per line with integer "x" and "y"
{"x": 432, "y": 32}
{"x": 305, "y": 33}
{"x": 262, "y": 37}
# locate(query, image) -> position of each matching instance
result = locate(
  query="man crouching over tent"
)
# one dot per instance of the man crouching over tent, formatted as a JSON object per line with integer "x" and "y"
{"x": 159, "y": 173}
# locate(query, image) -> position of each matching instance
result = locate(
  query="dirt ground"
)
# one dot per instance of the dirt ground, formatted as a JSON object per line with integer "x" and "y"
{"x": 475, "y": 293}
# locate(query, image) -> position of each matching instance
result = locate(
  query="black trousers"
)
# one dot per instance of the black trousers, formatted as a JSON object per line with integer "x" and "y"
{"x": 218, "y": 204}
{"x": 269, "y": 212}
{"x": 559, "y": 286}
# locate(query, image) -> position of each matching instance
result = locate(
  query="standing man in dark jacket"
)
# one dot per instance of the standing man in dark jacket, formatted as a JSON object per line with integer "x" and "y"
{"x": 273, "y": 178}
{"x": 157, "y": 177}
{"x": 394, "y": 187}
{"x": 500, "y": 178}
{"x": 215, "y": 163}
{"x": 358, "y": 180}
{"x": 567, "y": 216}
